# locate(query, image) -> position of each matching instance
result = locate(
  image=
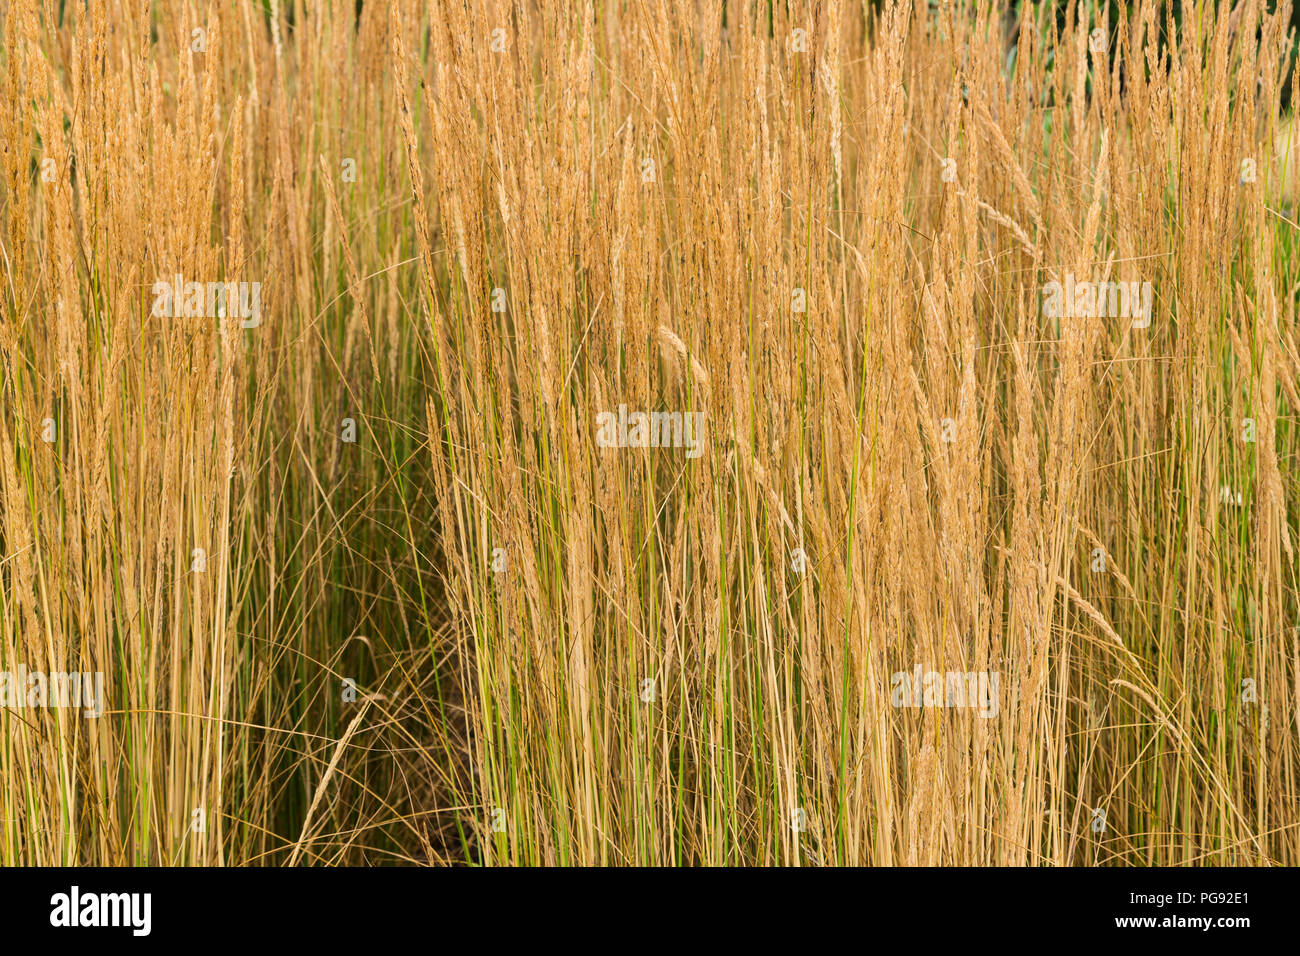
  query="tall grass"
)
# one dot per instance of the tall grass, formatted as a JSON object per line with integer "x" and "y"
{"x": 826, "y": 227}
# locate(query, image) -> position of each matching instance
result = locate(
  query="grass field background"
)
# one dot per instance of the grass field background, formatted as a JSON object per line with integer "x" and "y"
{"x": 828, "y": 228}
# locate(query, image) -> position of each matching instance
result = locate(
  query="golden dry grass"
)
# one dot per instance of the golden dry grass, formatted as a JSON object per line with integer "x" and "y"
{"x": 825, "y": 226}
